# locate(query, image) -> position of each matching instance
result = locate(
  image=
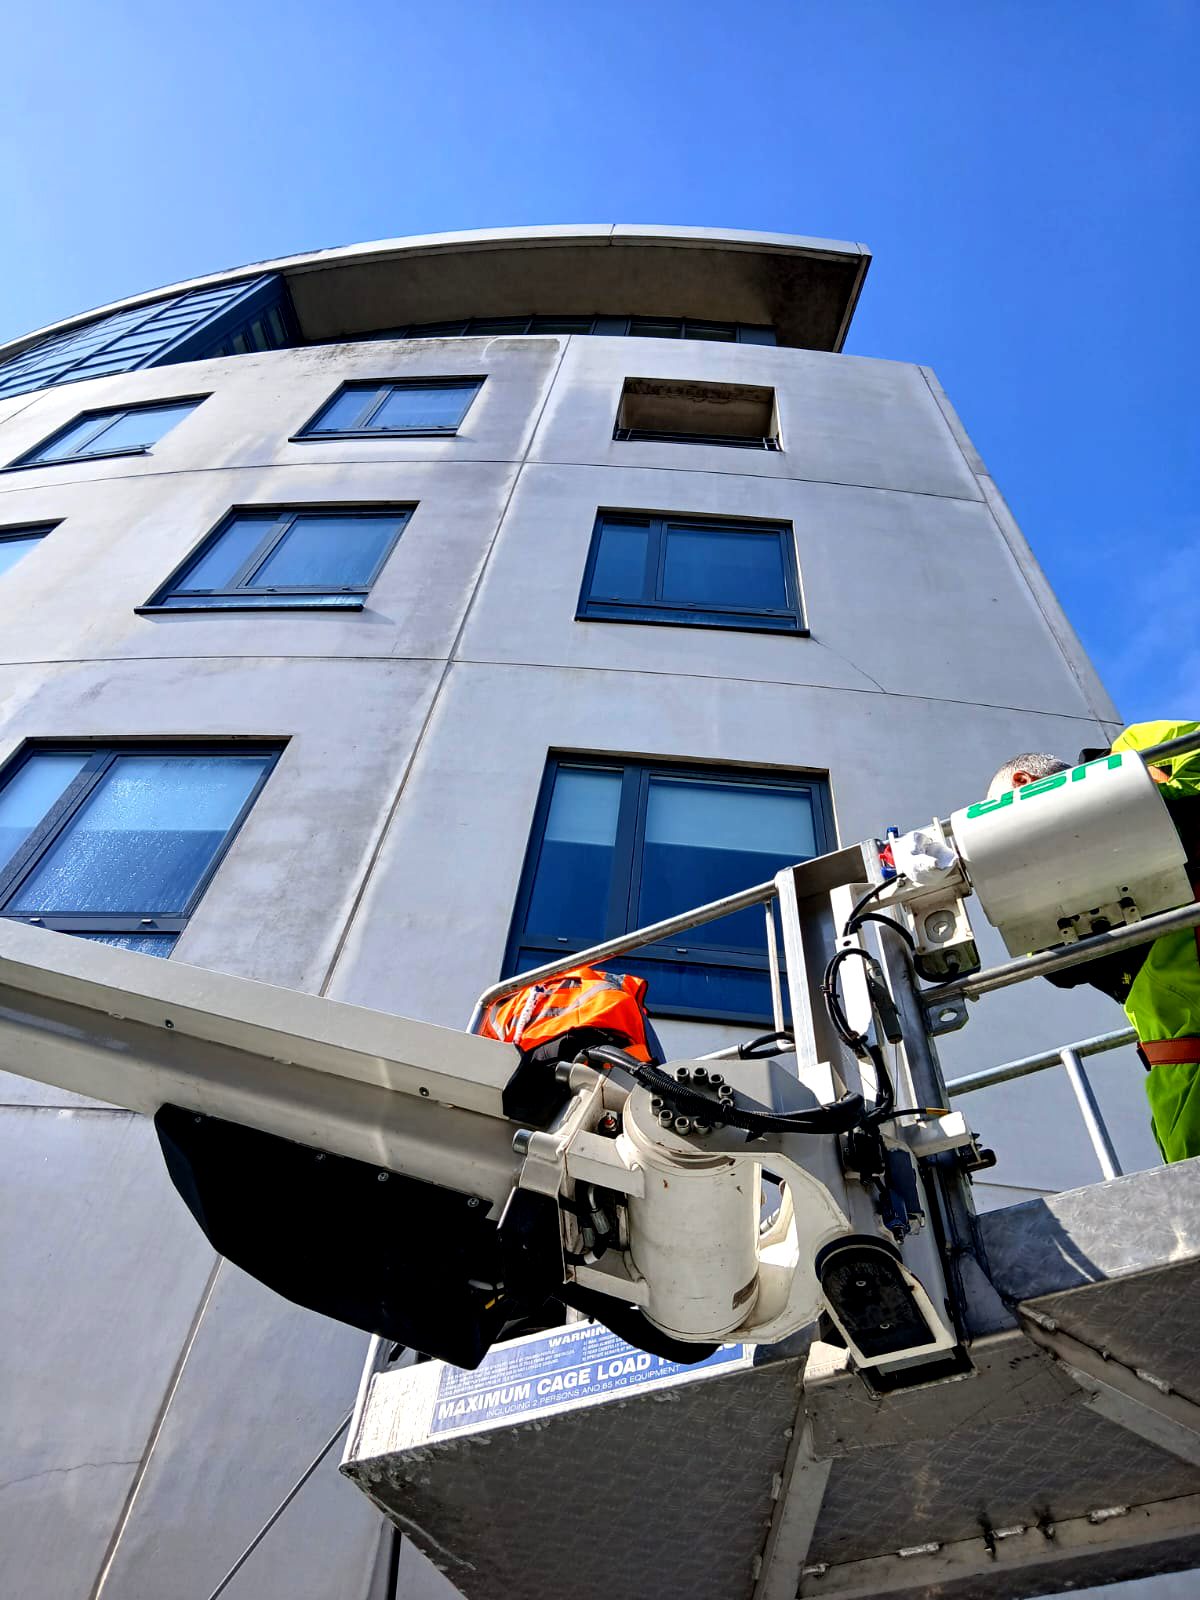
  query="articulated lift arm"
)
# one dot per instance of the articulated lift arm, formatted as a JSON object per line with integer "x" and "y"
{"x": 403, "y": 1177}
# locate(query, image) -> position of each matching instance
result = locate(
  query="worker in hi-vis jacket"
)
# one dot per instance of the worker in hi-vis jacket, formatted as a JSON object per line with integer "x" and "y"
{"x": 1158, "y": 984}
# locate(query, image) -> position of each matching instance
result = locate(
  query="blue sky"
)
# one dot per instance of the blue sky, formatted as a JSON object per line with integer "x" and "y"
{"x": 1027, "y": 175}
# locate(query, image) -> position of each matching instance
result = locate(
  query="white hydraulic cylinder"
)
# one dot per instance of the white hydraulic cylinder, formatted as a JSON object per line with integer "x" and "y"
{"x": 1093, "y": 845}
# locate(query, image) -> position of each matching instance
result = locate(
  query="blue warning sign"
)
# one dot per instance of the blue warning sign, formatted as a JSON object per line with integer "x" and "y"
{"x": 557, "y": 1370}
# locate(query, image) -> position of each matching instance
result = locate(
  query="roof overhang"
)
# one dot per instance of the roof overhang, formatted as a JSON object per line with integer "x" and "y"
{"x": 806, "y": 289}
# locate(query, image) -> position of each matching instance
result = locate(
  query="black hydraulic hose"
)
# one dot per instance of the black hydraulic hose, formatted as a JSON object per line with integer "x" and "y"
{"x": 839, "y": 1117}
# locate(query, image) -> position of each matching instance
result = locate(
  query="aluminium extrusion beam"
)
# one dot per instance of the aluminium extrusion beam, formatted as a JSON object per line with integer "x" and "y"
{"x": 139, "y": 1032}
{"x": 1006, "y": 1567}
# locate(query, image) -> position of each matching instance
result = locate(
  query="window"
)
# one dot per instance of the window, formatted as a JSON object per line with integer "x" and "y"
{"x": 420, "y": 406}
{"x": 127, "y": 431}
{"x": 606, "y": 326}
{"x": 185, "y": 327}
{"x": 284, "y": 557}
{"x": 686, "y": 412}
{"x": 617, "y": 846}
{"x": 648, "y": 568}
{"x": 118, "y": 845}
{"x": 17, "y": 542}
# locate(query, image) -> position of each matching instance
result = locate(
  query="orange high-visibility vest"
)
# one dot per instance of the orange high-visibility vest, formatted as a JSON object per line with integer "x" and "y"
{"x": 581, "y": 998}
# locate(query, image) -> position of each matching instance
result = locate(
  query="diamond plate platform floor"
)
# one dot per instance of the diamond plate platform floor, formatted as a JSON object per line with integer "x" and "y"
{"x": 1068, "y": 1457}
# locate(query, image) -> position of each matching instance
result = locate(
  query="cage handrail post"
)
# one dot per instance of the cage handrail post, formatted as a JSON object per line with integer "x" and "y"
{"x": 1093, "y": 1117}
{"x": 773, "y": 964}
{"x": 1025, "y": 1066}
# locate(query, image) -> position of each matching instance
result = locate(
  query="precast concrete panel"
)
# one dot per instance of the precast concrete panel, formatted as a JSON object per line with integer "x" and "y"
{"x": 138, "y": 534}
{"x": 264, "y": 1386}
{"x": 905, "y": 595}
{"x": 104, "y": 1277}
{"x": 842, "y": 419}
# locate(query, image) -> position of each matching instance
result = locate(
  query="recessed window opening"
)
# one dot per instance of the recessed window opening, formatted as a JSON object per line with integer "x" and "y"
{"x": 118, "y": 843}
{"x": 698, "y": 571}
{"x": 286, "y": 557}
{"x": 19, "y": 541}
{"x": 617, "y": 845}
{"x": 120, "y": 431}
{"x": 688, "y": 412}
{"x": 420, "y": 407}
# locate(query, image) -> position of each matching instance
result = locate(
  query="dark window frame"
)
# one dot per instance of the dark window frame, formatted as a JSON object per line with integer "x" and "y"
{"x": 653, "y": 607}
{"x": 627, "y": 871}
{"x": 602, "y": 324}
{"x": 13, "y": 532}
{"x": 382, "y": 389}
{"x": 101, "y": 756}
{"x": 291, "y": 597}
{"x": 105, "y": 416}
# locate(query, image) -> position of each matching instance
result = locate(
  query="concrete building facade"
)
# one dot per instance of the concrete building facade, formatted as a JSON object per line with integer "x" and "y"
{"x": 157, "y": 1403}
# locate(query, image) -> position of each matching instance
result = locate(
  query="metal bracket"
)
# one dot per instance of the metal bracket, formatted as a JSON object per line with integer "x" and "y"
{"x": 944, "y": 1016}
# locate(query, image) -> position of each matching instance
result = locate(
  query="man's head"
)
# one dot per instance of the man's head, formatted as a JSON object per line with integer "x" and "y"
{"x": 1024, "y": 769}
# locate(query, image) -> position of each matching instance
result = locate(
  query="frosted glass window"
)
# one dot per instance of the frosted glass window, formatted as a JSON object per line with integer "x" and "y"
{"x": 401, "y": 407}
{"x": 145, "y": 838}
{"x": 29, "y": 794}
{"x": 126, "y": 431}
{"x": 146, "y": 944}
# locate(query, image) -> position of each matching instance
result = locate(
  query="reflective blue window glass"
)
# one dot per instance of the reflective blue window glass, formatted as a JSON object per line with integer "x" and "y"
{"x": 407, "y": 406}
{"x": 221, "y": 560}
{"x": 145, "y": 837}
{"x": 29, "y": 795}
{"x": 145, "y": 335}
{"x": 96, "y": 433}
{"x": 276, "y": 558}
{"x": 617, "y": 848}
{"x": 713, "y": 567}
{"x": 704, "y": 573}
{"x": 346, "y": 412}
{"x": 620, "y": 568}
{"x": 327, "y": 553}
{"x": 573, "y": 877}
{"x": 704, "y": 840}
{"x": 15, "y": 545}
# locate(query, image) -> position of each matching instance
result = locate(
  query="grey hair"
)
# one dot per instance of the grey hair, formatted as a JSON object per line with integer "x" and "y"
{"x": 1038, "y": 765}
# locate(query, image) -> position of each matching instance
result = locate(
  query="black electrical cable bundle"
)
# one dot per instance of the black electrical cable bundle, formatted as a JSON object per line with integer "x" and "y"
{"x": 839, "y": 1117}
{"x": 884, "y": 1106}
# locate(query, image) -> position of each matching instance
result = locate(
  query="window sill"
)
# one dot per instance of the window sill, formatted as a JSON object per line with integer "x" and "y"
{"x": 764, "y": 445}
{"x": 277, "y": 603}
{"x": 789, "y": 628}
{"x": 374, "y": 433}
{"x": 74, "y": 461}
